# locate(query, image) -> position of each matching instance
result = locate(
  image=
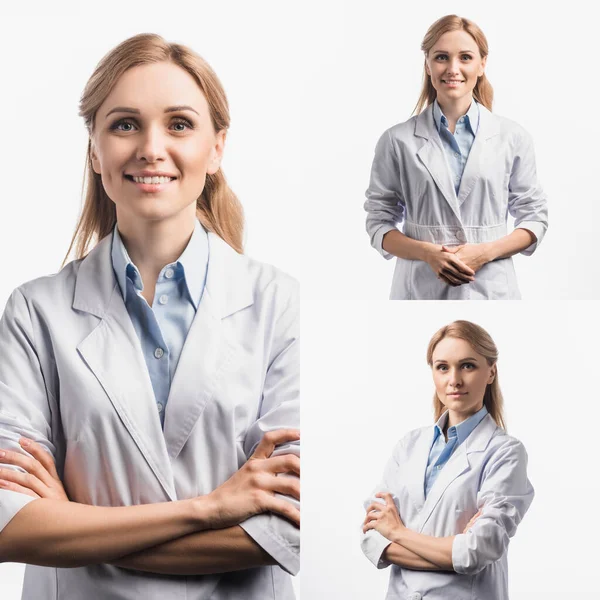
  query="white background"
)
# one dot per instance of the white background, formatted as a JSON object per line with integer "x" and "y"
{"x": 311, "y": 87}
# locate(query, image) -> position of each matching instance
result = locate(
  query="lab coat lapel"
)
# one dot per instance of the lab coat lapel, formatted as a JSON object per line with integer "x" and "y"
{"x": 208, "y": 355}
{"x": 488, "y": 128}
{"x": 458, "y": 464}
{"x": 113, "y": 353}
{"x": 431, "y": 154}
{"x": 417, "y": 465}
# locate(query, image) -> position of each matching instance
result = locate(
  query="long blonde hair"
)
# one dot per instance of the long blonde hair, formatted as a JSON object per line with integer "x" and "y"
{"x": 483, "y": 92}
{"x": 481, "y": 341}
{"x": 217, "y": 208}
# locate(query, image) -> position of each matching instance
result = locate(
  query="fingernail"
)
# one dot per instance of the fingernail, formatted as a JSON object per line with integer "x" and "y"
{"x": 24, "y": 442}
{"x": 2, "y": 454}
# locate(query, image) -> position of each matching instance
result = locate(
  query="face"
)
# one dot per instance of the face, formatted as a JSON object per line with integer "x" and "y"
{"x": 454, "y": 64}
{"x": 154, "y": 143}
{"x": 460, "y": 375}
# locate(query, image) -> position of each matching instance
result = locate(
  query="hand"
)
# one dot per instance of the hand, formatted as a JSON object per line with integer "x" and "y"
{"x": 251, "y": 490}
{"x": 41, "y": 479}
{"x": 383, "y": 517}
{"x": 472, "y": 255}
{"x": 448, "y": 267}
{"x": 472, "y": 521}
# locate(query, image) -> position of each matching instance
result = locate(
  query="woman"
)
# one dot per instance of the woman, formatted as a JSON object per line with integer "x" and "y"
{"x": 450, "y": 175}
{"x": 452, "y": 495}
{"x": 156, "y": 376}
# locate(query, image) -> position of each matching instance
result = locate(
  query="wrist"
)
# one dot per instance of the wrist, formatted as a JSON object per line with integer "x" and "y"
{"x": 489, "y": 251}
{"x": 204, "y": 511}
{"x": 397, "y": 535}
{"x": 428, "y": 250}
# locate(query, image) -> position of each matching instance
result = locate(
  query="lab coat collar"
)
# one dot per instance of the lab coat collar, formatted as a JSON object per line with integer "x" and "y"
{"x": 457, "y": 464}
{"x": 433, "y": 157}
{"x": 113, "y": 352}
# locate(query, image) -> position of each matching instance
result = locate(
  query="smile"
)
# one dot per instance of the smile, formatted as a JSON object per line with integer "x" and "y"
{"x": 150, "y": 180}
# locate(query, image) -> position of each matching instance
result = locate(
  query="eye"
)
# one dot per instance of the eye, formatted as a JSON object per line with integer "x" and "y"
{"x": 180, "y": 124}
{"x": 442, "y": 367}
{"x": 124, "y": 125}
{"x": 469, "y": 366}
{"x": 441, "y": 57}
{"x": 466, "y": 57}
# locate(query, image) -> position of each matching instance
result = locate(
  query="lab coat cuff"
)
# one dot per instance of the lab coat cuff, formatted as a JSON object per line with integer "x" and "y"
{"x": 260, "y": 530}
{"x": 373, "y": 546}
{"x": 10, "y": 504}
{"x": 378, "y": 240}
{"x": 538, "y": 229}
{"x": 460, "y": 555}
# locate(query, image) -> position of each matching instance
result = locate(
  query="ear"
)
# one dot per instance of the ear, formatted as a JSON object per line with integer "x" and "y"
{"x": 482, "y": 68}
{"x": 216, "y": 153}
{"x": 427, "y": 70}
{"x": 493, "y": 374}
{"x": 94, "y": 158}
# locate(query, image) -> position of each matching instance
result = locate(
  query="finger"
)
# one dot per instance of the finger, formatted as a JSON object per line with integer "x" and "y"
{"x": 445, "y": 280}
{"x": 274, "y": 438}
{"x": 375, "y": 507}
{"x": 452, "y": 278}
{"x": 289, "y": 486}
{"x": 284, "y": 508}
{"x": 389, "y": 500}
{"x": 285, "y": 463}
{"x": 27, "y": 463}
{"x": 25, "y": 480}
{"x": 451, "y": 249}
{"x": 451, "y": 268}
{"x": 15, "y": 487}
{"x": 461, "y": 266}
{"x": 41, "y": 455}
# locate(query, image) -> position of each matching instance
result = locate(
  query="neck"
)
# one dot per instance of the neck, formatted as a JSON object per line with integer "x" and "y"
{"x": 152, "y": 244}
{"x": 455, "y": 418}
{"x": 454, "y": 110}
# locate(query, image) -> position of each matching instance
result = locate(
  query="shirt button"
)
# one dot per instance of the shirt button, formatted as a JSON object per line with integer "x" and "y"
{"x": 169, "y": 273}
{"x": 460, "y": 236}
{"x": 456, "y": 154}
{"x": 158, "y": 353}
{"x": 160, "y": 407}
{"x": 163, "y": 299}
{"x": 415, "y": 596}
{"x": 439, "y": 467}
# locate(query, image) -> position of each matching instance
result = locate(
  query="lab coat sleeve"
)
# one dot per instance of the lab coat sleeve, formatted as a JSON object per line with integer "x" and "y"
{"x": 24, "y": 406}
{"x": 384, "y": 204}
{"x": 280, "y": 408}
{"x": 527, "y": 202}
{"x": 504, "y": 497}
{"x": 372, "y": 543}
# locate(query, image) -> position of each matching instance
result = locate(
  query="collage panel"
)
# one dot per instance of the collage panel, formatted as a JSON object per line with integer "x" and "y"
{"x": 481, "y": 501}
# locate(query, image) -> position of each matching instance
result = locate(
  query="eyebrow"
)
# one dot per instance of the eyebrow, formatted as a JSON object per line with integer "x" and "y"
{"x": 135, "y": 111}
{"x": 459, "y": 52}
{"x": 461, "y": 360}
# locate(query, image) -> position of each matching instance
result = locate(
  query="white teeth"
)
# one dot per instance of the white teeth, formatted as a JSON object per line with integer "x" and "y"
{"x": 152, "y": 179}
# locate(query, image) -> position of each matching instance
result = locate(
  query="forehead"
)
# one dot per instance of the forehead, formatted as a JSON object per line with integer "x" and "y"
{"x": 455, "y": 41}
{"x": 155, "y": 86}
{"x": 451, "y": 348}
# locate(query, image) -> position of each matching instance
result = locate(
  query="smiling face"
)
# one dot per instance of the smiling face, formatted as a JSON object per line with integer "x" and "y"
{"x": 154, "y": 143}
{"x": 454, "y": 65}
{"x": 461, "y": 376}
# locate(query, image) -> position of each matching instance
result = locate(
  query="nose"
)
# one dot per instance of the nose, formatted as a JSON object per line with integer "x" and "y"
{"x": 454, "y": 379}
{"x": 452, "y": 67}
{"x": 151, "y": 147}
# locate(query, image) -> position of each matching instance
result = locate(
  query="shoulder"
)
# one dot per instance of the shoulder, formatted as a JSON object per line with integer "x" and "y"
{"x": 269, "y": 281}
{"x": 401, "y": 131}
{"x": 54, "y": 289}
{"x": 504, "y": 445}
{"x": 406, "y": 443}
{"x": 512, "y": 130}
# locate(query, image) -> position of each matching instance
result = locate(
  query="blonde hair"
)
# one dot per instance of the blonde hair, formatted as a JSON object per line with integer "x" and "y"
{"x": 481, "y": 341}
{"x": 483, "y": 92}
{"x": 217, "y": 208}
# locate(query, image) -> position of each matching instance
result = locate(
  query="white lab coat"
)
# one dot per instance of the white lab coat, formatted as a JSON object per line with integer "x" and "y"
{"x": 73, "y": 377}
{"x": 488, "y": 471}
{"x": 411, "y": 185}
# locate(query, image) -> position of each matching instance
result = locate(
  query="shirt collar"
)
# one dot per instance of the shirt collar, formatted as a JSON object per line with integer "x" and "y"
{"x": 462, "y": 430}
{"x": 192, "y": 265}
{"x": 471, "y": 118}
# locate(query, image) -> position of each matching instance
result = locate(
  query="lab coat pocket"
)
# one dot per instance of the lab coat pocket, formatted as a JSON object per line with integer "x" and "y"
{"x": 495, "y": 281}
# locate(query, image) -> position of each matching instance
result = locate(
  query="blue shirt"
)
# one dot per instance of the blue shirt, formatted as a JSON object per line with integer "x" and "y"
{"x": 163, "y": 327}
{"x": 441, "y": 451}
{"x": 457, "y": 145}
